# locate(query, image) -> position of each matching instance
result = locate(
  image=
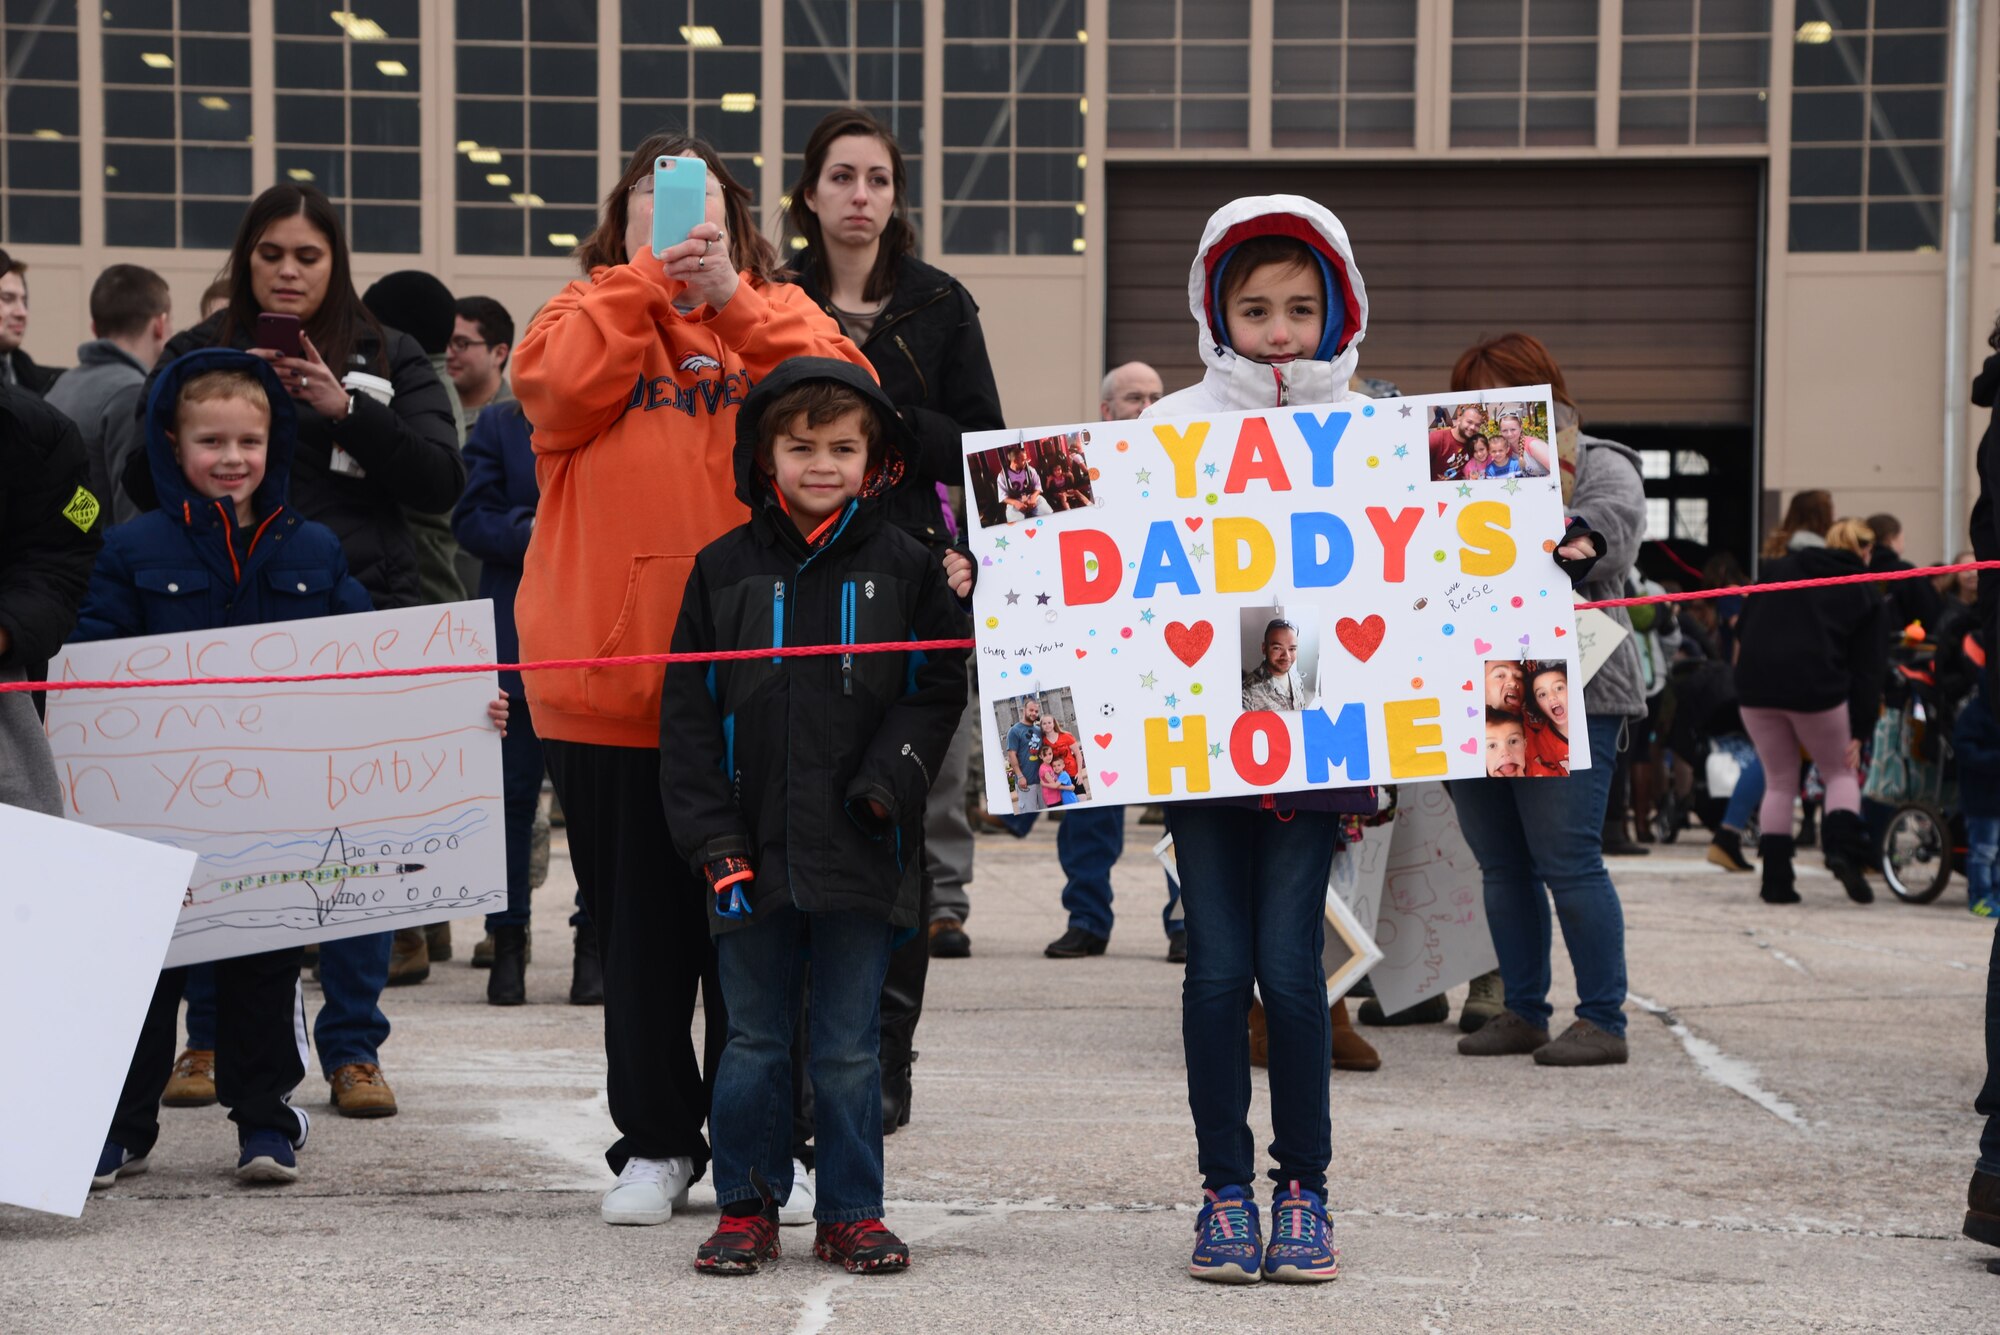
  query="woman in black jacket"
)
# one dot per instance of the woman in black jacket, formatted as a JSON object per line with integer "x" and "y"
{"x": 919, "y": 329}
{"x": 1809, "y": 672}
{"x": 357, "y": 464}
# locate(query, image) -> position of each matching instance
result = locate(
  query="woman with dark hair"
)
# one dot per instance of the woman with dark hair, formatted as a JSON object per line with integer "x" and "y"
{"x": 357, "y": 463}
{"x": 1537, "y": 841}
{"x": 919, "y": 328}
{"x": 1809, "y": 670}
{"x": 633, "y": 377}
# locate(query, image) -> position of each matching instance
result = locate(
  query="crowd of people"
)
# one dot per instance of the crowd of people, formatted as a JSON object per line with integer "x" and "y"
{"x": 791, "y": 840}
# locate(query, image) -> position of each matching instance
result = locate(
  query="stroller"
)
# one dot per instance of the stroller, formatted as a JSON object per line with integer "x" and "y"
{"x": 1911, "y": 766}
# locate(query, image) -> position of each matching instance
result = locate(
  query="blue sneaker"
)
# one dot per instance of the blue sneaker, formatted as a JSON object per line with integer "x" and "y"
{"x": 1226, "y": 1246}
{"x": 271, "y": 1156}
{"x": 115, "y": 1162}
{"x": 1301, "y": 1250}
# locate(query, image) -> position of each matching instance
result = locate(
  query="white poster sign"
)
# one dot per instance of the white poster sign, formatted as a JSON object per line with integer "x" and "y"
{"x": 319, "y": 810}
{"x": 1306, "y": 597}
{"x": 1596, "y": 636}
{"x": 1432, "y": 920}
{"x": 85, "y": 916}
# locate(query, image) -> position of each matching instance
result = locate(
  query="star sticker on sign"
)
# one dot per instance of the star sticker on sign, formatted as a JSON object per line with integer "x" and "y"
{"x": 1012, "y": 597}
{"x": 1148, "y": 680}
{"x": 1403, "y": 411}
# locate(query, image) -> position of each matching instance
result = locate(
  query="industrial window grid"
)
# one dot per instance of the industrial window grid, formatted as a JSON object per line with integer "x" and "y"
{"x": 1344, "y": 74}
{"x": 177, "y": 157}
{"x": 1013, "y": 136}
{"x": 1179, "y": 73}
{"x": 525, "y": 138}
{"x": 1523, "y": 73}
{"x": 40, "y": 151}
{"x": 1868, "y": 111}
{"x": 349, "y": 115}
{"x": 1694, "y": 72}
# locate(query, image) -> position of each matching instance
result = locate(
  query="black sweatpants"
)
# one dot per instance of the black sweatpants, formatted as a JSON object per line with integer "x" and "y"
{"x": 652, "y": 935}
{"x": 260, "y": 1049}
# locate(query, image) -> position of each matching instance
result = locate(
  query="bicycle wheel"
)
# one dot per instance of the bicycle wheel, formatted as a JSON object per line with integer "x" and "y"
{"x": 1916, "y": 853}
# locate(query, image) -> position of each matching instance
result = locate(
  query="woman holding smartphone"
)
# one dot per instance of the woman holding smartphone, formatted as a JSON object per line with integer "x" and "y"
{"x": 633, "y": 376}
{"x": 360, "y": 459}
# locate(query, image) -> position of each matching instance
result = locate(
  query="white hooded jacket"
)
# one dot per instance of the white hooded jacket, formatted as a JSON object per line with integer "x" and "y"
{"x": 1234, "y": 383}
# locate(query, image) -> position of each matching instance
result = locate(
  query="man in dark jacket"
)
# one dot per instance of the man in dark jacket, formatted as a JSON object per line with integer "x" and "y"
{"x": 1982, "y": 1206}
{"x": 131, "y": 316}
{"x": 16, "y": 366}
{"x": 51, "y": 527}
{"x": 797, "y": 786}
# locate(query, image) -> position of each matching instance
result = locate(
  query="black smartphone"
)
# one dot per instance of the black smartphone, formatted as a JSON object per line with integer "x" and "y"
{"x": 279, "y": 333}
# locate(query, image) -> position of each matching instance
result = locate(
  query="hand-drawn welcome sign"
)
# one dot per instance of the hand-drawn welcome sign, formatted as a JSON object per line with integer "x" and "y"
{"x": 1270, "y": 601}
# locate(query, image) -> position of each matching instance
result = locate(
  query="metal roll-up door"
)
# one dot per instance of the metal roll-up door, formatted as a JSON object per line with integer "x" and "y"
{"x": 1641, "y": 277}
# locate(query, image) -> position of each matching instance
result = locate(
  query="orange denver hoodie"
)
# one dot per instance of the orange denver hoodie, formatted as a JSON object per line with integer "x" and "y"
{"x": 634, "y": 411}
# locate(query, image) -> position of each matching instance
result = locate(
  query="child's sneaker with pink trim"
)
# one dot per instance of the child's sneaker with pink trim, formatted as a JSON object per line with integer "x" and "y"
{"x": 1227, "y": 1249}
{"x": 1301, "y": 1250}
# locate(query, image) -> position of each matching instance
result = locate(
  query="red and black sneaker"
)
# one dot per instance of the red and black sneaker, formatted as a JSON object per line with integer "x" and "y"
{"x": 739, "y": 1244}
{"x": 864, "y": 1246}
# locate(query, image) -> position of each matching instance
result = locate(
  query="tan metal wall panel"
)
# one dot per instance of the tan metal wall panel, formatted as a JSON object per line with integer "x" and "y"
{"x": 1642, "y": 278}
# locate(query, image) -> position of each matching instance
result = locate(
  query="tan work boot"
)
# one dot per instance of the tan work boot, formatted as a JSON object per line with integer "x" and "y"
{"x": 1484, "y": 1000}
{"x": 192, "y": 1084}
{"x": 1351, "y": 1052}
{"x": 437, "y": 936}
{"x": 359, "y": 1090}
{"x": 409, "y": 957}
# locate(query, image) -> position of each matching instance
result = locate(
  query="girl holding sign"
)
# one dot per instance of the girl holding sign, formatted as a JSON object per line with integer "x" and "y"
{"x": 1280, "y": 308}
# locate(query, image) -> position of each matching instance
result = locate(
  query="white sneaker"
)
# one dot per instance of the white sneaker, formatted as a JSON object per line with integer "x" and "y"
{"x": 798, "y": 1207}
{"x": 648, "y": 1191}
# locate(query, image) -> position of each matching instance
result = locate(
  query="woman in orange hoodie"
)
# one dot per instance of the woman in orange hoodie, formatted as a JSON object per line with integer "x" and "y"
{"x": 632, "y": 379}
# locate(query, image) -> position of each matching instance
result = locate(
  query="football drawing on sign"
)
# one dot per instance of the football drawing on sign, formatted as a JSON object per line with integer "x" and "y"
{"x": 318, "y": 809}
{"x": 1265, "y": 602}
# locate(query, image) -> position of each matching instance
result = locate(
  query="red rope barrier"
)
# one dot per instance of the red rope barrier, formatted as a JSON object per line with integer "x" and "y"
{"x": 885, "y": 647}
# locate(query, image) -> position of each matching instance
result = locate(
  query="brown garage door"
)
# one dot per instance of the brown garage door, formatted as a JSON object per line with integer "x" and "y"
{"x": 1641, "y": 278}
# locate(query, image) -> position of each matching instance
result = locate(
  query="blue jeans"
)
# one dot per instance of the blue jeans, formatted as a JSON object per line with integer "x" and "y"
{"x": 1254, "y": 887}
{"x": 1988, "y": 1102}
{"x": 521, "y": 789}
{"x": 351, "y": 1026}
{"x": 1089, "y": 841}
{"x": 1982, "y": 857}
{"x": 200, "y": 993}
{"x": 1749, "y": 791}
{"x": 1533, "y": 833}
{"x": 750, "y": 1123}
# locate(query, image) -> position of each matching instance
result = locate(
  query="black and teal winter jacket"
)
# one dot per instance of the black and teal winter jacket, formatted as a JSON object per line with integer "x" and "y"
{"x": 775, "y": 759}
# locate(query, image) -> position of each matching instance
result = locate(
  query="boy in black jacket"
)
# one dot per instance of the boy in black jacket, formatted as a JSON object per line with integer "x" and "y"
{"x": 797, "y": 787}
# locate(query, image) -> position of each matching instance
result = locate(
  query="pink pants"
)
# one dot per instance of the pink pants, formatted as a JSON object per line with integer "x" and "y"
{"x": 1778, "y": 734}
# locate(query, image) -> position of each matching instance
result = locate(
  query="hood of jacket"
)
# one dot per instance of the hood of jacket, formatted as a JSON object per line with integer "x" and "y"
{"x": 172, "y": 489}
{"x": 103, "y": 352}
{"x": 1236, "y": 382}
{"x": 754, "y": 487}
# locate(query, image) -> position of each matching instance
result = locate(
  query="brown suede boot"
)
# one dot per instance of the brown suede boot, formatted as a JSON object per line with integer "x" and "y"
{"x": 1260, "y": 1036}
{"x": 409, "y": 957}
{"x": 1351, "y": 1052}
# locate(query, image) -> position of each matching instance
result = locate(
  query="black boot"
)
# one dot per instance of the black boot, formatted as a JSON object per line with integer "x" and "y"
{"x": 1845, "y": 837}
{"x": 507, "y": 984}
{"x": 1726, "y": 851}
{"x": 586, "y": 978}
{"x": 1982, "y": 1209}
{"x": 1775, "y": 851}
{"x": 902, "y": 1006}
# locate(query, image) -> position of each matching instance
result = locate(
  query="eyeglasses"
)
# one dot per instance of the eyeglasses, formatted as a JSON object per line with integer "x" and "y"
{"x": 464, "y": 344}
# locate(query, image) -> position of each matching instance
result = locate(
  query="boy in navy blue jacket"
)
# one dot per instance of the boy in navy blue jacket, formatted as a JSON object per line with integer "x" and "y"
{"x": 223, "y": 549}
{"x": 797, "y": 787}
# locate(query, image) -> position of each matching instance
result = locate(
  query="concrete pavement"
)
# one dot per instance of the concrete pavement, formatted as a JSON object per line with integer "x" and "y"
{"x": 1788, "y": 1150}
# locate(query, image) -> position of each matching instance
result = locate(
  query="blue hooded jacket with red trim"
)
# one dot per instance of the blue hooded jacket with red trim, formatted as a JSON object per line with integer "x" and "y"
{"x": 187, "y": 566}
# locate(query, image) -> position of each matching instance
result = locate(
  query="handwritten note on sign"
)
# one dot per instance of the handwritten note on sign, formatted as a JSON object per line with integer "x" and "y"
{"x": 319, "y": 810}
{"x": 1354, "y": 593}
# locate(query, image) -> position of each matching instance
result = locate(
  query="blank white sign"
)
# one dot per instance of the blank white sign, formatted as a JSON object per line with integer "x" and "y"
{"x": 85, "y": 918}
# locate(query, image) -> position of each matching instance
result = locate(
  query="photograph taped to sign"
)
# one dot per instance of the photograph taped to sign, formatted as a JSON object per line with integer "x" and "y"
{"x": 1404, "y": 585}
{"x": 319, "y": 809}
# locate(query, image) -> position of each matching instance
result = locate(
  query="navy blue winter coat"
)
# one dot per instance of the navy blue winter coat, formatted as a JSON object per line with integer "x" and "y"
{"x": 496, "y": 516}
{"x": 185, "y": 566}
